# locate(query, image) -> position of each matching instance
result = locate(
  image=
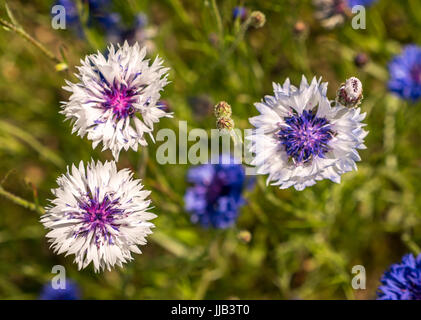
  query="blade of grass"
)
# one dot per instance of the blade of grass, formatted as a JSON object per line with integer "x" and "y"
{"x": 32, "y": 142}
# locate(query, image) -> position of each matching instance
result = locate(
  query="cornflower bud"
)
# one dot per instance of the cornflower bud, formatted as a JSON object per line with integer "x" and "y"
{"x": 244, "y": 236}
{"x": 223, "y": 109}
{"x": 257, "y": 19}
{"x": 225, "y": 123}
{"x": 350, "y": 93}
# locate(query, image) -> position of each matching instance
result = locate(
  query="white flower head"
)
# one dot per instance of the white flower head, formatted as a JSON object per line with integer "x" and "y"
{"x": 115, "y": 100}
{"x": 300, "y": 138}
{"x": 99, "y": 214}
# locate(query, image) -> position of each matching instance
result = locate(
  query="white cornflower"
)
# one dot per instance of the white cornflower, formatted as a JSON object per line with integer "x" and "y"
{"x": 115, "y": 100}
{"x": 99, "y": 215}
{"x": 300, "y": 138}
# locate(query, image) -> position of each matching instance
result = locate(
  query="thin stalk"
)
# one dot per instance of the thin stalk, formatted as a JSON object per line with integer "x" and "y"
{"x": 45, "y": 152}
{"x": 406, "y": 238}
{"x": 389, "y": 135}
{"x": 21, "y": 32}
{"x": 238, "y": 38}
{"x": 20, "y": 201}
{"x": 218, "y": 19}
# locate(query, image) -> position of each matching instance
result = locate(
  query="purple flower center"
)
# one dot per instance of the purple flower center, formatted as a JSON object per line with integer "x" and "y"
{"x": 99, "y": 217}
{"x": 217, "y": 188}
{"x": 120, "y": 99}
{"x": 416, "y": 73}
{"x": 305, "y": 136}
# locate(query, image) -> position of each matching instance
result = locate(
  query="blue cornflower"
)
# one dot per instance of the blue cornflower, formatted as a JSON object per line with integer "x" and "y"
{"x": 402, "y": 281}
{"x": 239, "y": 12}
{"x": 98, "y": 13}
{"x": 72, "y": 15}
{"x": 70, "y": 292}
{"x": 215, "y": 196}
{"x": 96, "y": 5}
{"x": 141, "y": 20}
{"x": 364, "y": 3}
{"x": 405, "y": 73}
{"x": 111, "y": 24}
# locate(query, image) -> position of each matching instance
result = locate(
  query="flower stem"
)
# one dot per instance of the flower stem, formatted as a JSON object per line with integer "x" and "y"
{"x": 218, "y": 19}
{"x": 44, "y": 152}
{"x": 179, "y": 9}
{"x": 21, "y": 32}
{"x": 390, "y": 132}
{"x": 20, "y": 201}
{"x": 238, "y": 38}
{"x": 406, "y": 238}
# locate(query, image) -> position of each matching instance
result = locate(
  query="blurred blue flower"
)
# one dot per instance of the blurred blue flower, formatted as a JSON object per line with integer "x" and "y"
{"x": 71, "y": 292}
{"x": 239, "y": 12}
{"x": 110, "y": 20}
{"x": 405, "y": 73}
{"x": 215, "y": 196}
{"x": 98, "y": 14}
{"x": 111, "y": 23}
{"x": 72, "y": 15}
{"x": 402, "y": 281}
{"x": 364, "y": 3}
{"x": 141, "y": 20}
{"x": 98, "y": 4}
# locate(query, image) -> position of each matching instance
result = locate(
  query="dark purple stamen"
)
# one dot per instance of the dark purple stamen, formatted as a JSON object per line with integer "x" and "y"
{"x": 305, "y": 136}
{"x": 218, "y": 187}
{"x": 120, "y": 99}
{"x": 98, "y": 216}
{"x": 416, "y": 73}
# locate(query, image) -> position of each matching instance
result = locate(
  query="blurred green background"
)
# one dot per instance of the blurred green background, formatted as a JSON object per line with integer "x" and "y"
{"x": 303, "y": 244}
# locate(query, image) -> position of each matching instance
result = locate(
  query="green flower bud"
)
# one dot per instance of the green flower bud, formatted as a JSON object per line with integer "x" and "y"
{"x": 223, "y": 109}
{"x": 225, "y": 123}
{"x": 257, "y": 19}
{"x": 244, "y": 236}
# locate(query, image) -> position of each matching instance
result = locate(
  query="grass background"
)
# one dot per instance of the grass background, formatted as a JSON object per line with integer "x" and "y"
{"x": 304, "y": 244}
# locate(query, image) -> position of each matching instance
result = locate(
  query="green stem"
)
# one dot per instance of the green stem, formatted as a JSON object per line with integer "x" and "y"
{"x": 143, "y": 162}
{"x": 169, "y": 244}
{"x": 390, "y": 132}
{"x": 45, "y": 152}
{"x": 178, "y": 7}
{"x": 238, "y": 38}
{"x": 218, "y": 19}
{"x": 406, "y": 238}
{"x": 21, "y": 32}
{"x": 20, "y": 201}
